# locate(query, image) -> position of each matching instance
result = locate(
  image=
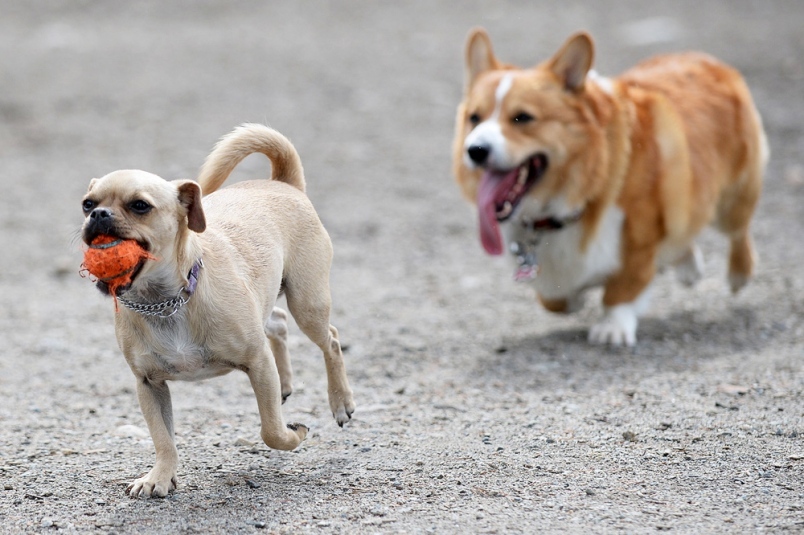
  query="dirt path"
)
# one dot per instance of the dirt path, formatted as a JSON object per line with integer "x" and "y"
{"x": 478, "y": 412}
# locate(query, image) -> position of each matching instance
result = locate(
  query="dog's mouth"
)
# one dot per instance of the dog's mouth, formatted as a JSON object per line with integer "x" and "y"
{"x": 120, "y": 290}
{"x": 104, "y": 286}
{"x": 499, "y": 194}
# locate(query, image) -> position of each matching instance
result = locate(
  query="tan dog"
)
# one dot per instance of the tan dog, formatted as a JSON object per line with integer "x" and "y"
{"x": 206, "y": 306}
{"x": 600, "y": 181}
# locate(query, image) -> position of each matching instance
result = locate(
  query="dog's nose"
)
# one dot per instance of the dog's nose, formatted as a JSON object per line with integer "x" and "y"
{"x": 478, "y": 153}
{"x": 100, "y": 214}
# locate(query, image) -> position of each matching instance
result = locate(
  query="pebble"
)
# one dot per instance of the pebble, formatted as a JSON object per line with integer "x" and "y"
{"x": 244, "y": 442}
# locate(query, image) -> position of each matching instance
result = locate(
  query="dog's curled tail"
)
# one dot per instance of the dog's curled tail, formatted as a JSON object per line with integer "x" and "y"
{"x": 247, "y": 139}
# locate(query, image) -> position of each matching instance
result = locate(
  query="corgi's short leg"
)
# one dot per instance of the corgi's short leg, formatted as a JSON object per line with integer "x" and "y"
{"x": 689, "y": 270}
{"x": 619, "y": 325}
{"x": 625, "y": 298}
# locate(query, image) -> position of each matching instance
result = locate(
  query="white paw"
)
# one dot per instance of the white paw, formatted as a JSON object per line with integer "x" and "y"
{"x": 690, "y": 270}
{"x": 342, "y": 405}
{"x": 156, "y": 484}
{"x": 618, "y": 328}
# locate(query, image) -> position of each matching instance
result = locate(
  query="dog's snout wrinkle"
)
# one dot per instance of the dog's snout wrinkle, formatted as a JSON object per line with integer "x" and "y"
{"x": 479, "y": 153}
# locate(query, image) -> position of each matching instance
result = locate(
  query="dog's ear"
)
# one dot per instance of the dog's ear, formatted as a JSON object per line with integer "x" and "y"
{"x": 190, "y": 198}
{"x": 479, "y": 55}
{"x": 92, "y": 184}
{"x": 573, "y": 61}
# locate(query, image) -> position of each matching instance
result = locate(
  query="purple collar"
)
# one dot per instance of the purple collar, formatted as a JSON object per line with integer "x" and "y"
{"x": 192, "y": 277}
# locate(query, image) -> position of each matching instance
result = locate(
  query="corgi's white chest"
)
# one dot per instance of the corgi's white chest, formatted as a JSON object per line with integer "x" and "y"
{"x": 563, "y": 269}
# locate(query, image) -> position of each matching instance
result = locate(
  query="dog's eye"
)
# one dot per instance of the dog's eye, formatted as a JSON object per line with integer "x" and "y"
{"x": 88, "y": 205}
{"x": 139, "y": 207}
{"x": 522, "y": 118}
{"x": 474, "y": 119}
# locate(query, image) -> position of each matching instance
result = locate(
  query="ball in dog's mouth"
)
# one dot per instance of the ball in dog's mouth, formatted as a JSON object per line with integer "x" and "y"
{"x": 499, "y": 194}
{"x": 114, "y": 262}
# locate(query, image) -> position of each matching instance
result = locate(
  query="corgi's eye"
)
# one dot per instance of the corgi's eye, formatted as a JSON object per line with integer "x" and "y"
{"x": 88, "y": 205}
{"x": 139, "y": 207}
{"x": 474, "y": 119}
{"x": 523, "y": 118}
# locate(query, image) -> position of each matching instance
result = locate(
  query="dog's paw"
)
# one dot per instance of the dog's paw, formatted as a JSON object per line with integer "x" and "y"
{"x": 618, "y": 328}
{"x": 300, "y": 429}
{"x": 690, "y": 270}
{"x": 156, "y": 484}
{"x": 342, "y": 405}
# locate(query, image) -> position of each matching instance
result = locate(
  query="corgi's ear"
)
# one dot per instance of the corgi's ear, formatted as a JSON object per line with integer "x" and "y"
{"x": 573, "y": 61}
{"x": 479, "y": 55}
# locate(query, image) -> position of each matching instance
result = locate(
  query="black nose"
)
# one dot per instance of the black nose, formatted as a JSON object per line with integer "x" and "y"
{"x": 99, "y": 215}
{"x": 478, "y": 153}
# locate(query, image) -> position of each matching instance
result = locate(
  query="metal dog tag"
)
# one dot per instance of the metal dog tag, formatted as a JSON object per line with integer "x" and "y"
{"x": 526, "y": 262}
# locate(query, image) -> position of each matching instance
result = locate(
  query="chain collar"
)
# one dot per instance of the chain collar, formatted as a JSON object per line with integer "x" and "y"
{"x": 169, "y": 307}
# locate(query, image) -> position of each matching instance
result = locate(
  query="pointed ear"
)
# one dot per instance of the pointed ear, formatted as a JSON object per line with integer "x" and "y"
{"x": 190, "y": 199}
{"x": 479, "y": 55}
{"x": 573, "y": 61}
{"x": 92, "y": 184}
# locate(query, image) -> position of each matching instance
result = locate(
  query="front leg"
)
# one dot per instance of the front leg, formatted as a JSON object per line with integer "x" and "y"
{"x": 625, "y": 298}
{"x": 156, "y": 407}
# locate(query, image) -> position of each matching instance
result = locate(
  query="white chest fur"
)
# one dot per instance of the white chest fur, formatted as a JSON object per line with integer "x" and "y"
{"x": 564, "y": 269}
{"x": 172, "y": 352}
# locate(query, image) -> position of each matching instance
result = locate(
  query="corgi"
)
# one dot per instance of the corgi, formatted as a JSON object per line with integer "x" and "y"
{"x": 590, "y": 181}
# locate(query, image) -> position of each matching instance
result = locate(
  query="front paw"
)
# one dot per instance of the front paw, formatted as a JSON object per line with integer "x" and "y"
{"x": 618, "y": 328}
{"x": 342, "y": 405}
{"x": 156, "y": 484}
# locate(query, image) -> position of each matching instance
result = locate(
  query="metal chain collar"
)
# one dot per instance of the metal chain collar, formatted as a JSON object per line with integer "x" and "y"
{"x": 166, "y": 309}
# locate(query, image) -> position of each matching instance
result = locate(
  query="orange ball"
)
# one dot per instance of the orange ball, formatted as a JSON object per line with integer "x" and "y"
{"x": 113, "y": 260}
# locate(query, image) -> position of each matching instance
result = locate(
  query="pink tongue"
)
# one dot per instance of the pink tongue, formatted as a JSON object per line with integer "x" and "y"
{"x": 493, "y": 191}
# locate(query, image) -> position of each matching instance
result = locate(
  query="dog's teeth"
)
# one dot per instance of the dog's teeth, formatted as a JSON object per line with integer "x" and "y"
{"x": 523, "y": 175}
{"x": 506, "y": 210}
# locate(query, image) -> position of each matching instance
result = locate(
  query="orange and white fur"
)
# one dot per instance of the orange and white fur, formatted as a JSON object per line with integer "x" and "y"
{"x": 606, "y": 180}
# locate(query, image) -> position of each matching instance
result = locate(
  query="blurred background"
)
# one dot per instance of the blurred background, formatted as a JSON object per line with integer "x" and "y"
{"x": 367, "y": 92}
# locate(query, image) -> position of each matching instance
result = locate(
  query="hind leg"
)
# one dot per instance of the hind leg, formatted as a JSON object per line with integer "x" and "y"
{"x": 276, "y": 329}
{"x": 734, "y": 217}
{"x": 689, "y": 269}
{"x": 309, "y": 302}
{"x": 741, "y": 260}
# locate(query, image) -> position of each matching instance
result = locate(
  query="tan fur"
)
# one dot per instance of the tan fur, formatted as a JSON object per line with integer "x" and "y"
{"x": 256, "y": 239}
{"x": 675, "y": 143}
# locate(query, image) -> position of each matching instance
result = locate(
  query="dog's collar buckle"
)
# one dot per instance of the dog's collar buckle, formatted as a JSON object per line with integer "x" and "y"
{"x": 169, "y": 307}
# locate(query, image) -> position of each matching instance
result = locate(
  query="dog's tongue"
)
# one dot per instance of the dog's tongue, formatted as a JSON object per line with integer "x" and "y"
{"x": 493, "y": 191}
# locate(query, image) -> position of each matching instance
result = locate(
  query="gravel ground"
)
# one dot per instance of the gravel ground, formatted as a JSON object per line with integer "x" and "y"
{"x": 478, "y": 412}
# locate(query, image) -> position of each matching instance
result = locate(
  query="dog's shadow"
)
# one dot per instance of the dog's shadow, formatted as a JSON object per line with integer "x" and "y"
{"x": 674, "y": 341}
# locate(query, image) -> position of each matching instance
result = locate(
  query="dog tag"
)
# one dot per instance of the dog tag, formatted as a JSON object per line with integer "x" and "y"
{"x": 526, "y": 262}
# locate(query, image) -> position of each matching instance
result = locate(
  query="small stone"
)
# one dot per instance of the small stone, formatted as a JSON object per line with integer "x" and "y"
{"x": 47, "y": 522}
{"x": 259, "y": 525}
{"x": 244, "y": 442}
{"x": 8, "y": 486}
{"x": 629, "y": 436}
